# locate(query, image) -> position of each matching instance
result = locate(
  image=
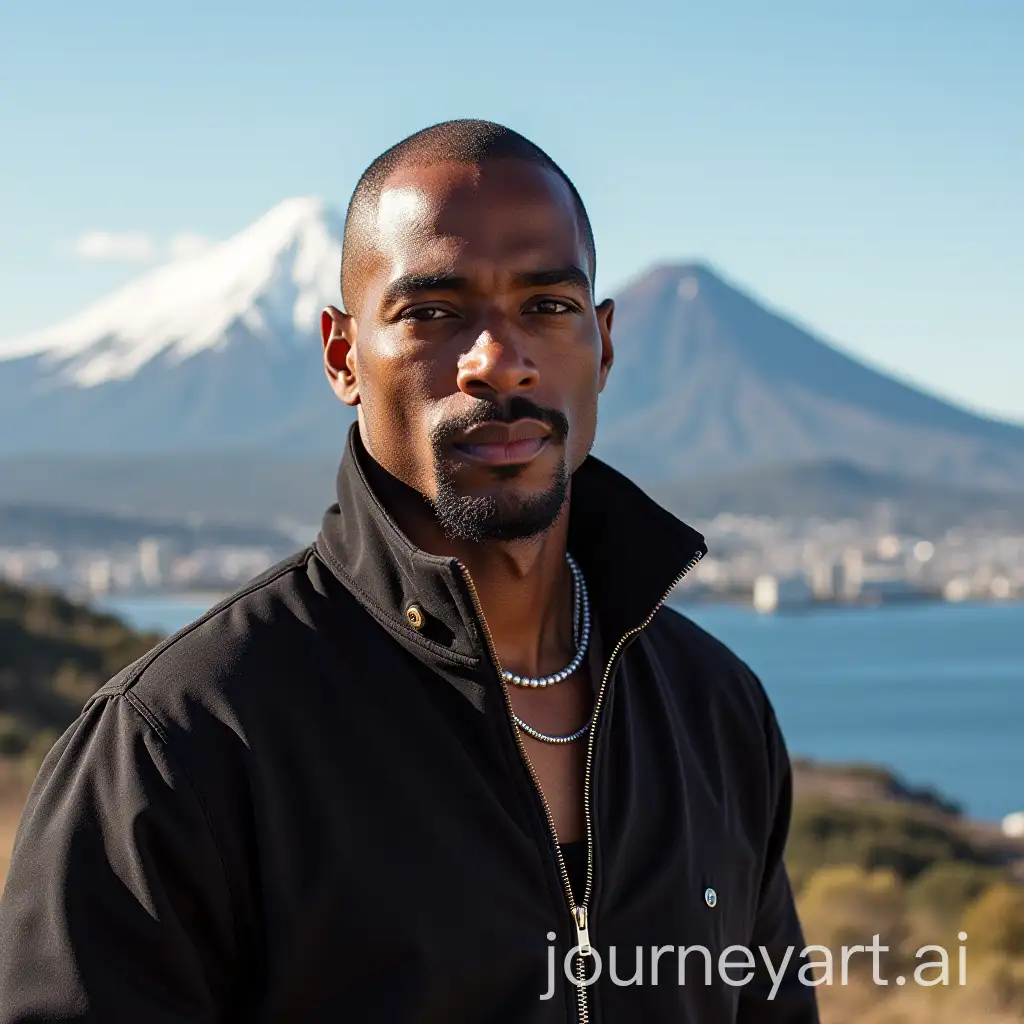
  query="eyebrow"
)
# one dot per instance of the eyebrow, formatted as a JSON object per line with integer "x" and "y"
{"x": 412, "y": 284}
{"x": 569, "y": 274}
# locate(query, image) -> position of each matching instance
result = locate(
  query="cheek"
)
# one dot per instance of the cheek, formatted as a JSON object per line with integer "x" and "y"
{"x": 583, "y": 427}
{"x": 398, "y": 384}
{"x": 415, "y": 375}
{"x": 396, "y": 396}
{"x": 581, "y": 379}
{"x": 582, "y": 413}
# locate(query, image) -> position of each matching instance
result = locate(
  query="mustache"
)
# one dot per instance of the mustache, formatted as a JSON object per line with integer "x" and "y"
{"x": 487, "y": 411}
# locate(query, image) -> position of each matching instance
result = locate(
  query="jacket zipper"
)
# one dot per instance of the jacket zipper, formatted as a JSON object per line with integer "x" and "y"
{"x": 578, "y": 911}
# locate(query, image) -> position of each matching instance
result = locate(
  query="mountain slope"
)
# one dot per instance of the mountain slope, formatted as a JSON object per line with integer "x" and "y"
{"x": 835, "y": 490}
{"x": 220, "y": 353}
{"x": 291, "y": 492}
{"x": 706, "y": 380}
{"x": 64, "y": 526}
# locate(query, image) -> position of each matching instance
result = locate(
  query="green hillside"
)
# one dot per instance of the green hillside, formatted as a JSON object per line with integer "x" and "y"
{"x": 54, "y": 654}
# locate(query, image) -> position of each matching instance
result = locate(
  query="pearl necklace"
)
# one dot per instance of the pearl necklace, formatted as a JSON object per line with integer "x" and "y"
{"x": 581, "y": 637}
{"x": 546, "y": 738}
{"x": 580, "y": 629}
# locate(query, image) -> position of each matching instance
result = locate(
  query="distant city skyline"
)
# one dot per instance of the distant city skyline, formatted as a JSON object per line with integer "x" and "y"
{"x": 856, "y": 168}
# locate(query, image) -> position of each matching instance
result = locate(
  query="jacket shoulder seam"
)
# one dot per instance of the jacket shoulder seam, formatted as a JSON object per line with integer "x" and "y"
{"x": 165, "y": 645}
{"x": 144, "y": 712}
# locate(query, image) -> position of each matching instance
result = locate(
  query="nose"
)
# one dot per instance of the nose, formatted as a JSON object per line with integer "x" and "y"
{"x": 497, "y": 366}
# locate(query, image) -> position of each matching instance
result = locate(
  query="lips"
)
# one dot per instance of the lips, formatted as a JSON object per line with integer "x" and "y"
{"x": 504, "y": 443}
{"x": 498, "y": 453}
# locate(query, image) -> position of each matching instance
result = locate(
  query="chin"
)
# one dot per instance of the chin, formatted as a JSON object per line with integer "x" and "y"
{"x": 509, "y": 510}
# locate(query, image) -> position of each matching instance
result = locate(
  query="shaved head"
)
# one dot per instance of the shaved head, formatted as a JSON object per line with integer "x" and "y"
{"x": 461, "y": 141}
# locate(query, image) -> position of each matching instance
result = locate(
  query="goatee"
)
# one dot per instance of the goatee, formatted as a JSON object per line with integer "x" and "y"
{"x": 500, "y": 517}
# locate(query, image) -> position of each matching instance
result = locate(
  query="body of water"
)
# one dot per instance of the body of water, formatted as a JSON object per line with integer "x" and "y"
{"x": 934, "y": 691}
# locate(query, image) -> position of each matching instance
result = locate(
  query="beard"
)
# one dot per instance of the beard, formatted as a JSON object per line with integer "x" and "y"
{"x": 498, "y": 516}
{"x": 503, "y": 516}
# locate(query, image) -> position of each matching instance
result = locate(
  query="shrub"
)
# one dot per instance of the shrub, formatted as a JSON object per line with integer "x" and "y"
{"x": 995, "y": 921}
{"x": 844, "y": 905}
{"x": 947, "y": 888}
{"x": 904, "y": 838}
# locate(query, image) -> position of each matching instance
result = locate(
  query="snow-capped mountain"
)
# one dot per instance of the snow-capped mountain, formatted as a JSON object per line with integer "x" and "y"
{"x": 220, "y": 349}
{"x": 220, "y": 352}
{"x": 270, "y": 280}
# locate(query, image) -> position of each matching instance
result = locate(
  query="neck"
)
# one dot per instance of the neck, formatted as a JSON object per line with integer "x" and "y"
{"x": 524, "y": 587}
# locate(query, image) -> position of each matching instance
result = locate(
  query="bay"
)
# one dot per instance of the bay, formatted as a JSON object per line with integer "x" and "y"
{"x": 933, "y": 691}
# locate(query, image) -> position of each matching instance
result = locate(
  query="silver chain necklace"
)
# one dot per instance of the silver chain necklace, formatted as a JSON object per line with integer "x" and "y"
{"x": 581, "y": 637}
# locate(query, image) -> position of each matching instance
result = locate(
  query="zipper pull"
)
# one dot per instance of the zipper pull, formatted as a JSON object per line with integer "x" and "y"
{"x": 582, "y": 931}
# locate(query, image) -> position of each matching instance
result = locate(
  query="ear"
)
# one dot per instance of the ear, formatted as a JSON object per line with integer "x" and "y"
{"x": 605, "y": 315}
{"x": 338, "y": 333}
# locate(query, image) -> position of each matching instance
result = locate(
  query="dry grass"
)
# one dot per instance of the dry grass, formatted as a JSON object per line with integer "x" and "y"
{"x": 978, "y": 1002}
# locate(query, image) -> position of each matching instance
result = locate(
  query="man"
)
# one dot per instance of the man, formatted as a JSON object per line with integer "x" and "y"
{"x": 457, "y": 761}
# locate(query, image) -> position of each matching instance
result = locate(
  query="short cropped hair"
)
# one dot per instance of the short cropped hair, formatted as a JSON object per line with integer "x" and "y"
{"x": 460, "y": 141}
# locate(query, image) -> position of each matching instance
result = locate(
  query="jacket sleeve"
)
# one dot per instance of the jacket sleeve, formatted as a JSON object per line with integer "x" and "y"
{"x": 784, "y": 998}
{"x": 116, "y": 906}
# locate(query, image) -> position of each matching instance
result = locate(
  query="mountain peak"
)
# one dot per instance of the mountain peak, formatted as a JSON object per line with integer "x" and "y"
{"x": 263, "y": 285}
{"x": 681, "y": 269}
{"x": 290, "y": 220}
{"x": 295, "y": 209}
{"x": 677, "y": 280}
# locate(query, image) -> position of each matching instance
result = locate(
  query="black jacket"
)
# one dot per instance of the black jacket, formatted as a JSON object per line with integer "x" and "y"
{"x": 300, "y": 808}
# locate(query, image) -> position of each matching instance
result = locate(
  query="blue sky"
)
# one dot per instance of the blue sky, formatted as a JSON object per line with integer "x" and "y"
{"x": 855, "y": 164}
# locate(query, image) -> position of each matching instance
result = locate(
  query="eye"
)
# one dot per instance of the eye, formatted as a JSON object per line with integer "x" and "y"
{"x": 425, "y": 314}
{"x": 551, "y": 307}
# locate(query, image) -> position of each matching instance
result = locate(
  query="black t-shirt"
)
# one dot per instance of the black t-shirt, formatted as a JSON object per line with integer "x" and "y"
{"x": 575, "y": 857}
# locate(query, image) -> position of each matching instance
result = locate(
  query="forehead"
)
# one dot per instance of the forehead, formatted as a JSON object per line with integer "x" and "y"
{"x": 487, "y": 219}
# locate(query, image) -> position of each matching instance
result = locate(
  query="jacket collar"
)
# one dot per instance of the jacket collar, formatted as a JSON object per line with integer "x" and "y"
{"x": 631, "y": 551}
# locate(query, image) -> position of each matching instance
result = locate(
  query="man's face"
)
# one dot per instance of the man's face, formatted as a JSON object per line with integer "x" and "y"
{"x": 476, "y": 353}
